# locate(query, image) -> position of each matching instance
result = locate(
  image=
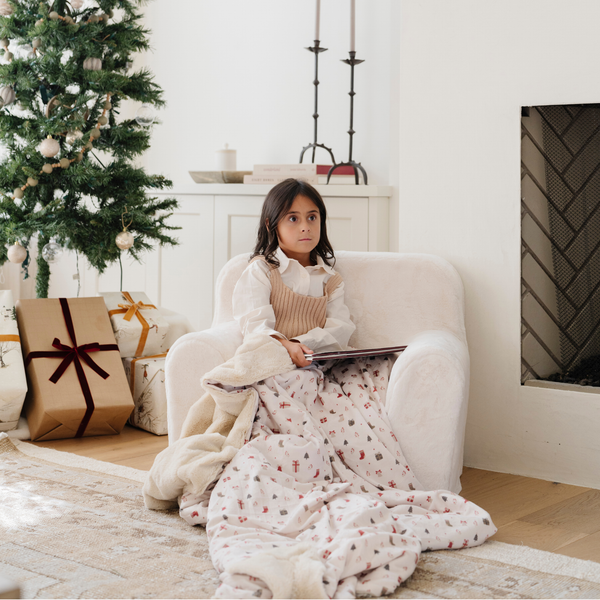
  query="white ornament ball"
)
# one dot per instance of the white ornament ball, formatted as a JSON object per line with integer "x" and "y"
{"x": 49, "y": 147}
{"x": 8, "y": 95}
{"x": 73, "y": 136}
{"x": 124, "y": 240}
{"x": 5, "y": 9}
{"x": 52, "y": 252}
{"x": 92, "y": 64}
{"x": 16, "y": 253}
{"x": 76, "y": 4}
{"x": 145, "y": 115}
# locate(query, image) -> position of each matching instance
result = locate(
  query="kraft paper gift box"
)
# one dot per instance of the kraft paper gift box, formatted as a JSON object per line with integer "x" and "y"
{"x": 146, "y": 376}
{"x": 139, "y": 326}
{"x": 13, "y": 382}
{"x": 77, "y": 385}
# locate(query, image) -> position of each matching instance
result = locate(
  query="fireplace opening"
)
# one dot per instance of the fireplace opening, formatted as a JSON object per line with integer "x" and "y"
{"x": 560, "y": 244}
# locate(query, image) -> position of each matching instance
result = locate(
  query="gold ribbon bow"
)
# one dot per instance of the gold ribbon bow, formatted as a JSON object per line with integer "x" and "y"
{"x": 129, "y": 310}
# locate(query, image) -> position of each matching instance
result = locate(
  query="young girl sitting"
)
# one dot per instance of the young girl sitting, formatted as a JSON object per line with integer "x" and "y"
{"x": 290, "y": 290}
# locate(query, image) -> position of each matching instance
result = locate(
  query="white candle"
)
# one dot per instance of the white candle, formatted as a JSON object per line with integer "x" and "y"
{"x": 352, "y": 21}
{"x": 317, "y": 19}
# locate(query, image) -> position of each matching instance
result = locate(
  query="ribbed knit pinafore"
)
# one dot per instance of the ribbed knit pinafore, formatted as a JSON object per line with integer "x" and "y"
{"x": 296, "y": 314}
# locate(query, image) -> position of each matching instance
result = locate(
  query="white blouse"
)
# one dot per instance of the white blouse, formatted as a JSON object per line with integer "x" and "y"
{"x": 252, "y": 302}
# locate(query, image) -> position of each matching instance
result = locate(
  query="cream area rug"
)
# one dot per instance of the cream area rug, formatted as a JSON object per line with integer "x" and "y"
{"x": 73, "y": 527}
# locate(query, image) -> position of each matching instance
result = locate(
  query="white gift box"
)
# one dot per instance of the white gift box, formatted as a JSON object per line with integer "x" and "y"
{"x": 146, "y": 376}
{"x": 140, "y": 328}
{"x": 13, "y": 381}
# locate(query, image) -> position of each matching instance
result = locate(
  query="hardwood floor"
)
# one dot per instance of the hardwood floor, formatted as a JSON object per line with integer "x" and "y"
{"x": 541, "y": 514}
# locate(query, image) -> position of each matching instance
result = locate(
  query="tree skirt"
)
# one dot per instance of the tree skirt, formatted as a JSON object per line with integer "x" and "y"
{"x": 73, "y": 527}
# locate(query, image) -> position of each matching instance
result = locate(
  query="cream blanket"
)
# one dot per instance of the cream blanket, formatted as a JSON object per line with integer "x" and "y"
{"x": 218, "y": 424}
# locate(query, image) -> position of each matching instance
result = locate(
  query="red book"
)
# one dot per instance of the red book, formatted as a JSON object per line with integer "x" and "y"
{"x": 324, "y": 169}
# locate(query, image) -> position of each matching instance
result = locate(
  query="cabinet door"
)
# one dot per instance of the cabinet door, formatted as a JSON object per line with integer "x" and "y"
{"x": 237, "y": 218}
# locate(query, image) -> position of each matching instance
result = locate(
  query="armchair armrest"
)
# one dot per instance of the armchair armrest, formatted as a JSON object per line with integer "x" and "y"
{"x": 427, "y": 404}
{"x": 191, "y": 356}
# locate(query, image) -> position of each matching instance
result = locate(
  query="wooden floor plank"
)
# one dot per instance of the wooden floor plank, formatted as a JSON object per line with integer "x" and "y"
{"x": 536, "y": 536}
{"x": 588, "y": 548}
{"x": 580, "y": 514}
{"x": 520, "y": 496}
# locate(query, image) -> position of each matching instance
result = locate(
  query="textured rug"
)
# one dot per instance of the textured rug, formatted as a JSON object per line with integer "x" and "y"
{"x": 73, "y": 527}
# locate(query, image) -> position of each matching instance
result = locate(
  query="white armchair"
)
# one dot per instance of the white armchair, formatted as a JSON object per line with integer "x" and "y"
{"x": 394, "y": 299}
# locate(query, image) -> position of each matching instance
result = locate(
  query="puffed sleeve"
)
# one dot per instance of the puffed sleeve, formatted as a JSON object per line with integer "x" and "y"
{"x": 338, "y": 326}
{"x": 252, "y": 301}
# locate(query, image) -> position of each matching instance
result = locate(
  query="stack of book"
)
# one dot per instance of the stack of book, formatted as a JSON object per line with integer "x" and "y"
{"x": 311, "y": 173}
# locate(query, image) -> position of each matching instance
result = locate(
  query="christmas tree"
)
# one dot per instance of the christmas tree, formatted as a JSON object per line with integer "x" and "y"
{"x": 68, "y": 179}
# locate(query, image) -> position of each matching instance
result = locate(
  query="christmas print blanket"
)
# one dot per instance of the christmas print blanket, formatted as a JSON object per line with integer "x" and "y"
{"x": 319, "y": 501}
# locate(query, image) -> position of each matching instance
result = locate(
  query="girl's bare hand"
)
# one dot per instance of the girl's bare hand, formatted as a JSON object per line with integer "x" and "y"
{"x": 296, "y": 350}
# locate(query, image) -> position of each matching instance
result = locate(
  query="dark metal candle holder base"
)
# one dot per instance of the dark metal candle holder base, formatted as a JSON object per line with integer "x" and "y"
{"x": 352, "y": 61}
{"x": 356, "y": 166}
{"x": 316, "y": 49}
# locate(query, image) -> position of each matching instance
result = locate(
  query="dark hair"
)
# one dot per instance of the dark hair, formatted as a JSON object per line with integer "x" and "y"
{"x": 276, "y": 205}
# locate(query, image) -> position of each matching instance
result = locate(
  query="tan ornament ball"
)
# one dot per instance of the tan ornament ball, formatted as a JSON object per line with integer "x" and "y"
{"x": 47, "y": 168}
{"x": 54, "y": 16}
{"x": 124, "y": 240}
{"x": 102, "y": 120}
{"x": 32, "y": 182}
{"x": 16, "y": 253}
{"x": 5, "y": 9}
{"x": 37, "y": 43}
{"x": 4, "y": 42}
{"x": 7, "y": 94}
{"x": 18, "y": 193}
{"x": 95, "y": 133}
{"x": 107, "y": 105}
{"x": 49, "y": 147}
{"x": 65, "y": 163}
{"x": 92, "y": 64}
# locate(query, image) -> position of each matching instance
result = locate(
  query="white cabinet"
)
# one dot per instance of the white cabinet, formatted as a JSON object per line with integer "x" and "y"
{"x": 219, "y": 221}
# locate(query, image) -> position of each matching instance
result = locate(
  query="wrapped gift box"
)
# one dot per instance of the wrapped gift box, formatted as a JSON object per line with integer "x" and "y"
{"x": 146, "y": 376}
{"x": 140, "y": 328}
{"x": 13, "y": 382}
{"x": 77, "y": 386}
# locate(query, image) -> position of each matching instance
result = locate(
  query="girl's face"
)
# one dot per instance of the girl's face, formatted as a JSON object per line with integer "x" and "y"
{"x": 299, "y": 231}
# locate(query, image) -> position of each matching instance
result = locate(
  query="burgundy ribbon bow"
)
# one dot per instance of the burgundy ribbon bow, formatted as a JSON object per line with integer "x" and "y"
{"x": 74, "y": 354}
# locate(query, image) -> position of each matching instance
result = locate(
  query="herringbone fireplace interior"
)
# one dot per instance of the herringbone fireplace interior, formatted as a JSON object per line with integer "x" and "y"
{"x": 560, "y": 237}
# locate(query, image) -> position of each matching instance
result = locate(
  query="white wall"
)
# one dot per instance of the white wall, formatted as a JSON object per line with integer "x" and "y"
{"x": 466, "y": 67}
{"x": 237, "y": 72}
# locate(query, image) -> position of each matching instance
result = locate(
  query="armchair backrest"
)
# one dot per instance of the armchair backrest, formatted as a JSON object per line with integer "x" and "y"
{"x": 391, "y": 296}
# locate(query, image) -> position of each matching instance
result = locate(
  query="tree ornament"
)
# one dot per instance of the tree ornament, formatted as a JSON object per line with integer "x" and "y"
{"x": 47, "y": 168}
{"x": 107, "y": 105}
{"x": 124, "y": 240}
{"x": 49, "y": 147}
{"x": 92, "y": 64}
{"x": 65, "y": 163}
{"x": 36, "y": 43}
{"x": 102, "y": 120}
{"x": 7, "y": 94}
{"x": 54, "y": 16}
{"x": 8, "y": 55}
{"x": 73, "y": 136}
{"x": 76, "y": 4}
{"x": 16, "y": 253}
{"x": 18, "y": 193}
{"x": 145, "y": 115}
{"x": 4, "y": 42}
{"x": 5, "y": 9}
{"x": 95, "y": 133}
{"x": 52, "y": 252}
{"x": 32, "y": 182}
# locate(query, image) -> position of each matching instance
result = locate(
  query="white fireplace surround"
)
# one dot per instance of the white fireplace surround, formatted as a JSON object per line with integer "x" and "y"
{"x": 438, "y": 113}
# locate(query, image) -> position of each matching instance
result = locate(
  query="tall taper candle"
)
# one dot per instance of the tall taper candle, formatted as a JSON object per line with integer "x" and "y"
{"x": 352, "y": 21}
{"x": 317, "y": 20}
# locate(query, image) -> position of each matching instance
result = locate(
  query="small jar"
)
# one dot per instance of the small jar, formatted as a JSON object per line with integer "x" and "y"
{"x": 225, "y": 159}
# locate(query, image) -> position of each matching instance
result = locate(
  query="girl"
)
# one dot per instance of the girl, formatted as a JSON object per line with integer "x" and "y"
{"x": 290, "y": 290}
